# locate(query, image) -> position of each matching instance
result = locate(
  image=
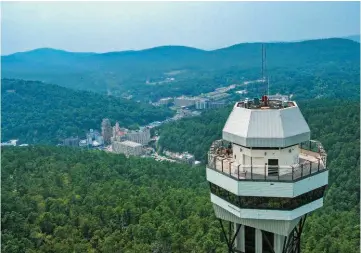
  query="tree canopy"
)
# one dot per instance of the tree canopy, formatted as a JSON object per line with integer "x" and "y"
{"x": 57, "y": 199}
{"x": 35, "y": 112}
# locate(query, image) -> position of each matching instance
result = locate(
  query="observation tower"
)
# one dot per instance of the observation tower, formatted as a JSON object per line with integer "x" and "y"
{"x": 265, "y": 176}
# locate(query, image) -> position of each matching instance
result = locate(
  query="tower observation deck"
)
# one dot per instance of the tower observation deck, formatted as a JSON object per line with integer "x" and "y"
{"x": 265, "y": 176}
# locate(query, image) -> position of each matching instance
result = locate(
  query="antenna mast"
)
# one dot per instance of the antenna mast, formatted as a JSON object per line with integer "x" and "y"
{"x": 262, "y": 74}
{"x": 265, "y": 78}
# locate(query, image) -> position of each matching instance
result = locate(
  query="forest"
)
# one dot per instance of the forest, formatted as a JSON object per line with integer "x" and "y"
{"x": 58, "y": 199}
{"x": 336, "y": 123}
{"x": 35, "y": 112}
{"x": 311, "y": 68}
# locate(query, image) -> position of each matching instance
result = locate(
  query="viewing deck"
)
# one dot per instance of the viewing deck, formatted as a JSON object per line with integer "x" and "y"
{"x": 312, "y": 159}
{"x": 265, "y": 104}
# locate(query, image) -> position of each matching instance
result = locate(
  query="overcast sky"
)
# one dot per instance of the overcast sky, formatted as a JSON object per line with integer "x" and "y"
{"x": 116, "y": 26}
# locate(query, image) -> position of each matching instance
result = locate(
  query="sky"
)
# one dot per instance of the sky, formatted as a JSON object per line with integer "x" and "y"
{"x": 118, "y": 26}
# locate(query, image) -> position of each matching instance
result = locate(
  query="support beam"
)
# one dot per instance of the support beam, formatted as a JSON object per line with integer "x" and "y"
{"x": 293, "y": 242}
{"x": 230, "y": 239}
{"x": 258, "y": 240}
{"x": 278, "y": 243}
{"x": 239, "y": 242}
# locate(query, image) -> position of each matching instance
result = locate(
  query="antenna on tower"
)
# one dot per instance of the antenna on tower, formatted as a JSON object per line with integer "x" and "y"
{"x": 264, "y": 74}
{"x": 265, "y": 70}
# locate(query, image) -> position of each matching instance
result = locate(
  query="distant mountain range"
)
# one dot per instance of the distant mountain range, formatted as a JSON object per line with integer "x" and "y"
{"x": 353, "y": 37}
{"x": 127, "y": 71}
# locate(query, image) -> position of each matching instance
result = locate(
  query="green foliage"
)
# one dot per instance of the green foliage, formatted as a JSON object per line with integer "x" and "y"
{"x": 57, "y": 199}
{"x": 35, "y": 112}
{"x": 336, "y": 123}
{"x": 194, "y": 135}
{"x": 295, "y": 68}
{"x": 69, "y": 200}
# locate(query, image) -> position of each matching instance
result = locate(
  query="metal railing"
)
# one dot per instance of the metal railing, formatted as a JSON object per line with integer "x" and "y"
{"x": 220, "y": 159}
{"x": 316, "y": 147}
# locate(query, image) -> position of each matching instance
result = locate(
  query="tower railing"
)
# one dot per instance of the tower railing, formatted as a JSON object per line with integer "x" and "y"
{"x": 220, "y": 158}
{"x": 315, "y": 148}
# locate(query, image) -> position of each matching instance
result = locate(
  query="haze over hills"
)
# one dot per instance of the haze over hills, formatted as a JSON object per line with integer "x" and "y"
{"x": 110, "y": 195}
{"x": 353, "y": 37}
{"x": 198, "y": 69}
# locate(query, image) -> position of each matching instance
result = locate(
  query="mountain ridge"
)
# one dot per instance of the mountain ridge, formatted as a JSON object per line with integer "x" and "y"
{"x": 48, "y": 49}
{"x": 127, "y": 72}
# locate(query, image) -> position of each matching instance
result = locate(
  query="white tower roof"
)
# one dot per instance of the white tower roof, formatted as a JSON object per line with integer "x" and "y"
{"x": 270, "y": 127}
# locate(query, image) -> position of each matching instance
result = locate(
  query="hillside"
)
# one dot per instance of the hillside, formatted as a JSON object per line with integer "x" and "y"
{"x": 36, "y": 112}
{"x": 330, "y": 60}
{"x": 68, "y": 200}
{"x": 353, "y": 37}
{"x": 336, "y": 123}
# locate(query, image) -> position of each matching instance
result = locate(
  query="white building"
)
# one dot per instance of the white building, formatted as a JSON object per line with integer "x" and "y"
{"x": 165, "y": 101}
{"x": 10, "y": 143}
{"x": 184, "y": 101}
{"x": 141, "y": 136}
{"x": 127, "y": 148}
{"x": 266, "y": 175}
{"x": 202, "y": 104}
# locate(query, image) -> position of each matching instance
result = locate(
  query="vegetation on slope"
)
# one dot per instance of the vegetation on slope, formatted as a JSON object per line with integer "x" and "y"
{"x": 35, "y": 112}
{"x": 66, "y": 200}
{"x": 56, "y": 199}
{"x": 334, "y": 228}
{"x": 194, "y": 135}
{"x": 293, "y": 67}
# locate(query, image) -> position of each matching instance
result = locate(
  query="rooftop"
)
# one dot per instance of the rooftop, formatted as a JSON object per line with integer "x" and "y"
{"x": 131, "y": 144}
{"x": 268, "y": 123}
{"x": 275, "y": 103}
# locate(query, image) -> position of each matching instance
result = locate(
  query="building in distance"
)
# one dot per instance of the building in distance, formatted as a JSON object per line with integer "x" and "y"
{"x": 71, "y": 142}
{"x": 106, "y": 131}
{"x": 141, "y": 136}
{"x": 166, "y": 101}
{"x": 185, "y": 101}
{"x": 204, "y": 104}
{"x": 10, "y": 143}
{"x": 127, "y": 148}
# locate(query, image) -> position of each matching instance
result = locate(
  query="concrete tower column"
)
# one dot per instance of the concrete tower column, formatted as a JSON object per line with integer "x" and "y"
{"x": 258, "y": 240}
{"x": 239, "y": 242}
{"x": 278, "y": 243}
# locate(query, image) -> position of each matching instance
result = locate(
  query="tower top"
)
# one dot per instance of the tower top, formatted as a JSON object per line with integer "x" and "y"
{"x": 266, "y": 123}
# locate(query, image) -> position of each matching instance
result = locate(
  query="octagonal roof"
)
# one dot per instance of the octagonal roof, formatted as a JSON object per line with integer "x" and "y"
{"x": 264, "y": 127}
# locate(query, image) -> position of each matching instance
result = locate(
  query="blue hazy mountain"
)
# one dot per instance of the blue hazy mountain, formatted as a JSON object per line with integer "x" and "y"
{"x": 353, "y": 37}
{"x": 127, "y": 71}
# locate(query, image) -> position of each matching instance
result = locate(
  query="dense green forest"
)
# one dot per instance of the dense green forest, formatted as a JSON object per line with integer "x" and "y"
{"x": 69, "y": 200}
{"x": 307, "y": 69}
{"x": 34, "y": 112}
{"x": 336, "y": 123}
{"x": 56, "y": 199}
